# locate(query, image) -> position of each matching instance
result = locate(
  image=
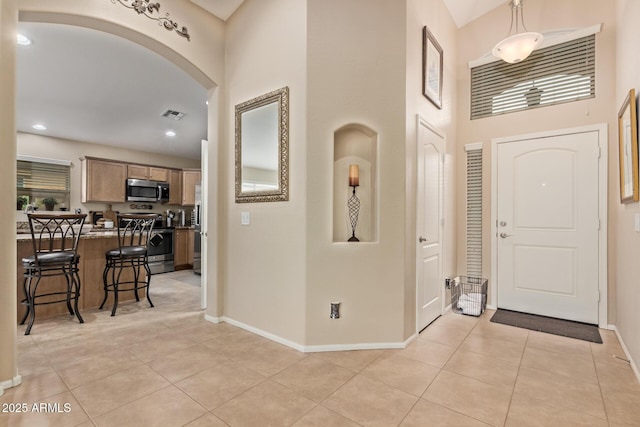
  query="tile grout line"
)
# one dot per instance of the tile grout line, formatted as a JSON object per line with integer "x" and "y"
{"x": 604, "y": 405}
{"x": 513, "y": 388}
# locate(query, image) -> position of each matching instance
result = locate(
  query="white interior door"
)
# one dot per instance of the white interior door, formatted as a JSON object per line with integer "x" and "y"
{"x": 430, "y": 197}
{"x": 547, "y": 226}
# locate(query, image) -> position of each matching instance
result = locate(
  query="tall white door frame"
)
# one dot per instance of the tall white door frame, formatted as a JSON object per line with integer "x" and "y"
{"x": 601, "y": 130}
{"x": 430, "y": 244}
{"x": 204, "y": 194}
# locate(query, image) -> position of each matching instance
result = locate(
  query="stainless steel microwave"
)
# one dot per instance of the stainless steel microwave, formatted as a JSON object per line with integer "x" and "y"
{"x": 142, "y": 190}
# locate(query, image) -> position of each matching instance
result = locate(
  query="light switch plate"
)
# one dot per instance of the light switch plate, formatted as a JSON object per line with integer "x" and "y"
{"x": 636, "y": 220}
{"x": 245, "y": 218}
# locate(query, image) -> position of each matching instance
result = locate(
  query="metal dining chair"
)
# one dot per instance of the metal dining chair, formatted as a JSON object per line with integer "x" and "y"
{"x": 54, "y": 239}
{"x": 134, "y": 231}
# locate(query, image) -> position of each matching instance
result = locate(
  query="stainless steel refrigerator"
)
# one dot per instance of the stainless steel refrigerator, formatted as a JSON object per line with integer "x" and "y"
{"x": 197, "y": 237}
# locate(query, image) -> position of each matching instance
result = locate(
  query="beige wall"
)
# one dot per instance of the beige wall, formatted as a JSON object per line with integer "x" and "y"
{"x": 365, "y": 68}
{"x": 356, "y": 57}
{"x": 65, "y": 149}
{"x": 625, "y": 240}
{"x": 202, "y": 58}
{"x": 478, "y": 38}
{"x": 8, "y": 360}
{"x": 264, "y": 266}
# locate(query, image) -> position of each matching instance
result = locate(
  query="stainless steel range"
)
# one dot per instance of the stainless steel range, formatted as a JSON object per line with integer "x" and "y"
{"x": 161, "y": 248}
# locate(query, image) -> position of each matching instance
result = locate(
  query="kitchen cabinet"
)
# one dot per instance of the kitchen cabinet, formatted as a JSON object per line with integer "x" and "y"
{"x": 181, "y": 246}
{"x": 103, "y": 180}
{"x": 175, "y": 187}
{"x": 148, "y": 172}
{"x": 190, "y": 178}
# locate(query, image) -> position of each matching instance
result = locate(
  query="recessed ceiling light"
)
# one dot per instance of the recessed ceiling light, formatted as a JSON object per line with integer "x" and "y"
{"x": 170, "y": 133}
{"x": 23, "y": 40}
{"x": 39, "y": 126}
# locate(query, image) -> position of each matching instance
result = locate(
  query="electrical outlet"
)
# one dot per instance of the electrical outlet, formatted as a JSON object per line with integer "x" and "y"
{"x": 335, "y": 310}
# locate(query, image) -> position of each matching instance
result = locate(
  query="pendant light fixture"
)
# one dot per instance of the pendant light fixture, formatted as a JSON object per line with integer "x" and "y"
{"x": 517, "y": 47}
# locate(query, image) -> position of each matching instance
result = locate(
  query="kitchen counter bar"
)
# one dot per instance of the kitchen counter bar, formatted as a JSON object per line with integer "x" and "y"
{"x": 92, "y": 248}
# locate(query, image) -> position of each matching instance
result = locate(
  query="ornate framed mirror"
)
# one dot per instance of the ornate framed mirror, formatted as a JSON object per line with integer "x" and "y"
{"x": 262, "y": 148}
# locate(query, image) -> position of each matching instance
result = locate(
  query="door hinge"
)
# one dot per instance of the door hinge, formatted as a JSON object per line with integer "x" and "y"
{"x": 598, "y": 223}
{"x": 442, "y": 156}
{"x": 599, "y": 153}
{"x": 598, "y": 295}
{"x": 442, "y": 222}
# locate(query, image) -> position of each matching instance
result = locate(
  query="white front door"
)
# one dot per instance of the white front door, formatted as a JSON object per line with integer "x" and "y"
{"x": 547, "y": 226}
{"x": 430, "y": 170}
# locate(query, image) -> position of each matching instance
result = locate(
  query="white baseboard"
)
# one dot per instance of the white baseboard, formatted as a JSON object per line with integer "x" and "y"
{"x": 262, "y": 333}
{"x": 359, "y": 346}
{"x": 311, "y": 348}
{"x": 15, "y": 381}
{"x": 626, "y": 352}
{"x": 212, "y": 319}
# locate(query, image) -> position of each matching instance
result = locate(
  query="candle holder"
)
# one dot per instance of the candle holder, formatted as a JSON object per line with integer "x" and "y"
{"x": 354, "y": 203}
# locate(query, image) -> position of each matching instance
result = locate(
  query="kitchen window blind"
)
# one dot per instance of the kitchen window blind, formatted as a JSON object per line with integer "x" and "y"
{"x": 38, "y": 180}
{"x": 474, "y": 211}
{"x": 561, "y": 73}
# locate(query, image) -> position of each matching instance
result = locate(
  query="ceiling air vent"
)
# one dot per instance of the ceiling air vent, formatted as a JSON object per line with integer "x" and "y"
{"x": 173, "y": 115}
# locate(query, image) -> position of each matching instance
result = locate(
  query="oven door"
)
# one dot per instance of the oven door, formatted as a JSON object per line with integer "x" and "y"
{"x": 161, "y": 251}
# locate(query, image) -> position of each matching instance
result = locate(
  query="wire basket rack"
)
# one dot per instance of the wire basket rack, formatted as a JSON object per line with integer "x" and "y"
{"x": 469, "y": 295}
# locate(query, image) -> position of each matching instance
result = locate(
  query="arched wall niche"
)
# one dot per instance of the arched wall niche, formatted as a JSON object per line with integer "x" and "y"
{"x": 355, "y": 144}
{"x": 124, "y": 32}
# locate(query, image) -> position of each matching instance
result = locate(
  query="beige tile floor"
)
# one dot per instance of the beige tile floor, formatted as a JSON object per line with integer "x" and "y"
{"x": 166, "y": 366}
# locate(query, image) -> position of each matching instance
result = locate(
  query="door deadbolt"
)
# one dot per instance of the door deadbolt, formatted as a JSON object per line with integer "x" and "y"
{"x": 503, "y": 224}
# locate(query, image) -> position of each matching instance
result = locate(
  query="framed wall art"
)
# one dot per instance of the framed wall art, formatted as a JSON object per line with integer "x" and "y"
{"x": 628, "y": 149}
{"x": 431, "y": 68}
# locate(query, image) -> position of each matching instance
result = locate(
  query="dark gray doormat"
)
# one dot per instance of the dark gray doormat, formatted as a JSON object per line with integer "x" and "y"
{"x": 550, "y": 325}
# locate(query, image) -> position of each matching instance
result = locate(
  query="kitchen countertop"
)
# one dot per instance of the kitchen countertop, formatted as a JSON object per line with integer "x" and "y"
{"x": 92, "y": 234}
{"x": 23, "y": 233}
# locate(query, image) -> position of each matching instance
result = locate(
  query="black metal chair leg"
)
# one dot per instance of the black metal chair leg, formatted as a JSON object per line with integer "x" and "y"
{"x": 136, "y": 277}
{"x": 27, "y": 297}
{"x": 115, "y": 290}
{"x": 67, "y": 273}
{"x": 76, "y": 282}
{"x": 105, "y": 276}
{"x": 148, "y": 282}
{"x": 32, "y": 307}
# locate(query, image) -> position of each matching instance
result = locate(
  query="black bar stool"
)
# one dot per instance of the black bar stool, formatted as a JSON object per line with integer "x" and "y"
{"x": 54, "y": 240}
{"x": 132, "y": 252}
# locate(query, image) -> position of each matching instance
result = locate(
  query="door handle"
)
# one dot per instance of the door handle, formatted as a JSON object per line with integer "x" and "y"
{"x": 505, "y": 235}
{"x": 421, "y": 239}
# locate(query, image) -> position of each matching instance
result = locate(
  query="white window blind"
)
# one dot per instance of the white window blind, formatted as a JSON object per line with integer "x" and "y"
{"x": 474, "y": 212}
{"x": 561, "y": 73}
